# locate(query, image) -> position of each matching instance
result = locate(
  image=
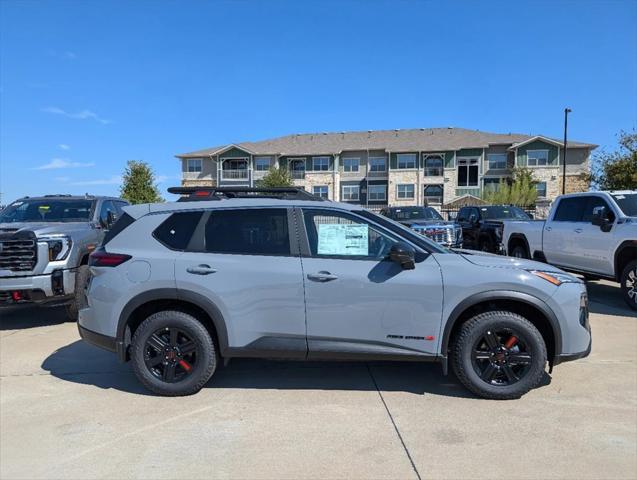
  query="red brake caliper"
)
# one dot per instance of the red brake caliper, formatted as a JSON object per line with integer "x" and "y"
{"x": 185, "y": 365}
{"x": 510, "y": 343}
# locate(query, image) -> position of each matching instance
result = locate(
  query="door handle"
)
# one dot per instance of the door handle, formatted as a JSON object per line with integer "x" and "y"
{"x": 201, "y": 269}
{"x": 548, "y": 229}
{"x": 321, "y": 276}
{"x": 578, "y": 230}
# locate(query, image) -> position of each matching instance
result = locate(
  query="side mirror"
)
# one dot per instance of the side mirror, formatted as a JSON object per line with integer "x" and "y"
{"x": 599, "y": 216}
{"x": 404, "y": 255}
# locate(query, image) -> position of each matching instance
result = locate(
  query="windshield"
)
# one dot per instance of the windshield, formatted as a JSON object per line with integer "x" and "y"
{"x": 627, "y": 203}
{"x": 414, "y": 213}
{"x": 492, "y": 213}
{"x": 47, "y": 210}
{"x": 420, "y": 240}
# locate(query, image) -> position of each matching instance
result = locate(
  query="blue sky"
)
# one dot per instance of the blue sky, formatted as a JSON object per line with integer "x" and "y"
{"x": 87, "y": 85}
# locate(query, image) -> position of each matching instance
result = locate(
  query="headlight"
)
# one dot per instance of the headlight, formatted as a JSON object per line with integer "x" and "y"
{"x": 59, "y": 246}
{"x": 555, "y": 278}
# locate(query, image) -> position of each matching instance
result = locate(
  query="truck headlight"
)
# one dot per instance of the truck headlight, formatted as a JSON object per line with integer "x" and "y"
{"x": 59, "y": 246}
{"x": 555, "y": 278}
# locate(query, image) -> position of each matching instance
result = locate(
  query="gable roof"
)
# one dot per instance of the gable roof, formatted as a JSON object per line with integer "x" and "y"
{"x": 405, "y": 140}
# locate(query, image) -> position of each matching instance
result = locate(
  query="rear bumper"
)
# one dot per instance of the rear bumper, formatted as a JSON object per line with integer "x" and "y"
{"x": 103, "y": 341}
{"x": 56, "y": 288}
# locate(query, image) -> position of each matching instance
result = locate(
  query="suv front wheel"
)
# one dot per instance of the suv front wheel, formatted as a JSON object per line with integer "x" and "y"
{"x": 172, "y": 354}
{"x": 499, "y": 355}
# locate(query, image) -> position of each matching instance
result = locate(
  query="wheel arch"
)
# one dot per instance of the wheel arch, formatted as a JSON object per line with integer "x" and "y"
{"x": 516, "y": 239}
{"x": 626, "y": 252}
{"x": 542, "y": 317}
{"x": 141, "y": 306}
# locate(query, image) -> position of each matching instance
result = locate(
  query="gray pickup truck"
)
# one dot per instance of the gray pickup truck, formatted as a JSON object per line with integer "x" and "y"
{"x": 592, "y": 233}
{"x": 44, "y": 247}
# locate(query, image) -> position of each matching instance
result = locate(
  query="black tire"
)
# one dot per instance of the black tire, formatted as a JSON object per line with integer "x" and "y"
{"x": 79, "y": 300}
{"x": 530, "y": 348}
{"x": 203, "y": 360}
{"x": 519, "y": 251}
{"x": 486, "y": 245}
{"x": 629, "y": 284}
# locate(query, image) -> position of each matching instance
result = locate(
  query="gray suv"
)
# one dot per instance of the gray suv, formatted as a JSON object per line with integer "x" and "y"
{"x": 279, "y": 273}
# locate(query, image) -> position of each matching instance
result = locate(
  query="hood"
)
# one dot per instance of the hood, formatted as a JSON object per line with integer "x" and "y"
{"x": 498, "y": 261}
{"x": 42, "y": 228}
{"x": 425, "y": 223}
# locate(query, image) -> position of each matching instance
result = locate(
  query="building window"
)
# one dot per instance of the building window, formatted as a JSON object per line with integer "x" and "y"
{"x": 467, "y": 172}
{"x": 193, "y": 165}
{"x": 433, "y": 165}
{"x": 350, "y": 193}
{"x": 320, "y": 164}
{"x": 541, "y": 189}
{"x": 320, "y": 191}
{"x": 405, "y": 191}
{"x": 351, "y": 164}
{"x": 537, "y": 158}
{"x": 261, "y": 163}
{"x": 297, "y": 168}
{"x": 406, "y": 160}
{"x": 377, "y": 164}
{"x": 497, "y": 161}
{"x": 433, "y": 194}
{"x": 491, "y": 184}
{"x": 377, "y": 192}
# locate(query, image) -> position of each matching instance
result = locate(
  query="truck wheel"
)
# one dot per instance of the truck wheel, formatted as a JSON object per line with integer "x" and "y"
{"x": 79, "y": 300}
{"x": 519, "y": 251}
{"x": 173, "y": 354}
{"x": 486, "y": 245}
{"x": 629, "y": 284}
{"x": 499, "y": 355}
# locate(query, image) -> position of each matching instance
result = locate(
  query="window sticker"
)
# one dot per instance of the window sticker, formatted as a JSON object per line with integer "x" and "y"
{"x": 339, "y": 239}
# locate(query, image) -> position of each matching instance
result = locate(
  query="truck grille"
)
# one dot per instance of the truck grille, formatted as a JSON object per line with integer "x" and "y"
{"x": 18, "y": 255}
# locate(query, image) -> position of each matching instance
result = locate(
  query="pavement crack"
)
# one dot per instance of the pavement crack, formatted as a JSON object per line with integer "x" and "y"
{"x": 400, "y": 437}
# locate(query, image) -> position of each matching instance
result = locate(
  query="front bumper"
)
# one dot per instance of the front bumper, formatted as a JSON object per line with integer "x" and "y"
{"x": 569, "y": 357}
{"x": 53, "y": 288}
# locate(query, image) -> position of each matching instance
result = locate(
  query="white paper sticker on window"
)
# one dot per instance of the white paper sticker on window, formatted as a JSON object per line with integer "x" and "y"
{"x": 339, "y": 239}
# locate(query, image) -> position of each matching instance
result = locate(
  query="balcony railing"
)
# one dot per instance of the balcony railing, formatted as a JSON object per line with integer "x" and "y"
{"x": 433, "y": 200}
{"x": 377, "y": 173}
{"x": 234, "y": 174}
{"x": 297, "y": 174}
{"x": 433, "y": 172}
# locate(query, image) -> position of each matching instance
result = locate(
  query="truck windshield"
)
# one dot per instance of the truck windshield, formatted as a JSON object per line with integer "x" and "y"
{"x": 414, "y": 213}
{"x": 501, "y": 212}
{"x": 627, "y": 203}
{"x": 47, "y": 210}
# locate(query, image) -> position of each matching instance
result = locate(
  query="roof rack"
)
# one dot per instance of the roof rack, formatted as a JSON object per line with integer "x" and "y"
{"x": 190, "y": 194}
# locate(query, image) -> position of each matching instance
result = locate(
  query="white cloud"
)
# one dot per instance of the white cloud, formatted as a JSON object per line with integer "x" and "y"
{"x": 81, "y": 115}
{"x": 64, "y": 146}
{"x": 62, "y": 179}
{"x": 57, "y": 163}
{"x": 165, "y": 178}
{"x": 114, "y": 180}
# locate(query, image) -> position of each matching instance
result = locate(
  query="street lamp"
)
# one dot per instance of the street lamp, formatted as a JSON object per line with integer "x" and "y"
{"x": 566, "y": 112}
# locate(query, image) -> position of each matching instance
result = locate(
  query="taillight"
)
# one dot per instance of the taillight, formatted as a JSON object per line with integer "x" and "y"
{"x": 101, "y": 258}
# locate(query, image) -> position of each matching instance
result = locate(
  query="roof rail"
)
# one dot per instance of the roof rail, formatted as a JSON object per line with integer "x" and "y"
{"x": 191, "y": 194}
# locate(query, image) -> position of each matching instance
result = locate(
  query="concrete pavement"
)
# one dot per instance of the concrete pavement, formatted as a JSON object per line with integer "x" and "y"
{"x": 69, "y": 410}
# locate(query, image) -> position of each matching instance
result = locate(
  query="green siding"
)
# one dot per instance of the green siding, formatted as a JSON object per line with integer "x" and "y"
{"x": 470, "y": 152}
{"x": 538, "y": 145}
{"x": 234, "y": 152}
{"x": 450, "y": 159}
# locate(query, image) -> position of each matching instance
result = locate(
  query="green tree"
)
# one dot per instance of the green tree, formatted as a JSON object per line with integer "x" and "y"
{"x": 139, "y": 183}
{"x": 276, "y": 177}
{"x": 617, "y": 170}
{"x": 520, "y": 191}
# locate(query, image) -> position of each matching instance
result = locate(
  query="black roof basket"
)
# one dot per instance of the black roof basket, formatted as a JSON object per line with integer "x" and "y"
{"x": 190, "y": 194}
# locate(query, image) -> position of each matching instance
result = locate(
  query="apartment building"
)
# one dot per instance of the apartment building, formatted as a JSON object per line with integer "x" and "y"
{"x": 431, "y": 166}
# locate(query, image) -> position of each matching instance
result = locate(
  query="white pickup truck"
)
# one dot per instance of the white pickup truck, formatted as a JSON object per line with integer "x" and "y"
{"x": 592, "y": 233}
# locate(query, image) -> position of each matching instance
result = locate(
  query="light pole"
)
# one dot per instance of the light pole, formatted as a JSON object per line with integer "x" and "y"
{"x": 566, "y": 112}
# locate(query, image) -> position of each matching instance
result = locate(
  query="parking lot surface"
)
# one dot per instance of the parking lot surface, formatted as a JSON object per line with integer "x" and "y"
{"x": 69, "y": 410}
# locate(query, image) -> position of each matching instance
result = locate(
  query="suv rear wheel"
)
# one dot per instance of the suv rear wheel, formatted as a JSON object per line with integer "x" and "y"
{"x": 173, "y": 354}
{"x": 629, "y": 284}
{"x": 499, "y": 355}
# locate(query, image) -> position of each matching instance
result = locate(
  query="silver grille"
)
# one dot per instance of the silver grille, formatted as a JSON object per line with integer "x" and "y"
{"x": 18, "y": 255}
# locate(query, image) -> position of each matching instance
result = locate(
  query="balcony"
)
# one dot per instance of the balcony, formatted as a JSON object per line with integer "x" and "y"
{"x": 234, "y": 174}
{"x": 433, "y": 171}
{"x": 377, "y": 173}
{"x": 297, "y": 174}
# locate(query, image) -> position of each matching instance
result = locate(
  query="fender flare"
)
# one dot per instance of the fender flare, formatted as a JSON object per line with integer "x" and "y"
{"x": 626, "y": 244}
{"x": 502, "y": 295}
{"x": 519, "y": 236}
{"x": 174, "y": 294}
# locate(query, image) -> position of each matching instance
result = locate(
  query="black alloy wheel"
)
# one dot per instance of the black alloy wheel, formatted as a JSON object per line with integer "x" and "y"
{"x": 501, "y": 357}
{"x": 170, "y": 354}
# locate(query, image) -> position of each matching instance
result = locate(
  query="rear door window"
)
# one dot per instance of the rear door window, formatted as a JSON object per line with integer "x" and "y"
{"x": 254, "y": 231}
{"x": 177, "y": 230}
{"x": 570, "y": 209}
